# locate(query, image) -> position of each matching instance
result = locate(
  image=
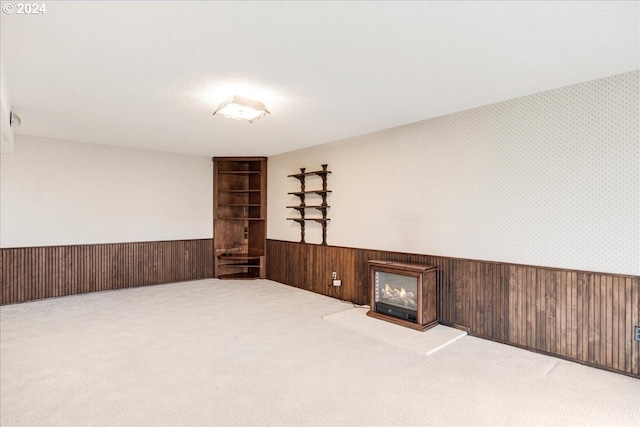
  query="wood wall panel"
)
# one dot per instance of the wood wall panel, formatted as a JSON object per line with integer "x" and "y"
{"x": 582, "y": 316}
{"x": 28, "y": 274}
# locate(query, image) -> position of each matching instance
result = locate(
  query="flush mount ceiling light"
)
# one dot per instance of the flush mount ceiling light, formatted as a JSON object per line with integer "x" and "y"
{"x": 240, "y": 108}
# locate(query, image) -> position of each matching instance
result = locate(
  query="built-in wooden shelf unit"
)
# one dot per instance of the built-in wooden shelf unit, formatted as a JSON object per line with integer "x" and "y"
{"x": 240, "y": 217}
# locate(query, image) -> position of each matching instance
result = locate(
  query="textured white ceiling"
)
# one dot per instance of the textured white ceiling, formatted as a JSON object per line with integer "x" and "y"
{"x": 150, "y": 74}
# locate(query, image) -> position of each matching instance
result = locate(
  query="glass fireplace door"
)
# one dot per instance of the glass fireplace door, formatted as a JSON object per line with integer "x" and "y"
{"x": 396, "y": 294}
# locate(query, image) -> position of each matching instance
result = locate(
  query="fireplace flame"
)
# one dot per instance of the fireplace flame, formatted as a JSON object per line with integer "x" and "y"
{"x": 398, "y": 297}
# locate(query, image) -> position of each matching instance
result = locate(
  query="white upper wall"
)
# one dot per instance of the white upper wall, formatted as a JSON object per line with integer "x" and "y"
{"x": 56, "y": 192}
{"x": 550, "y": 179}
{"x": 6, "y": 133}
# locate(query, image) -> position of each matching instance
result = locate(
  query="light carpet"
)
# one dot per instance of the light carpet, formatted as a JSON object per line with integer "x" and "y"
{"x": 245, "y": 353}
{"x": 426, "y": 343}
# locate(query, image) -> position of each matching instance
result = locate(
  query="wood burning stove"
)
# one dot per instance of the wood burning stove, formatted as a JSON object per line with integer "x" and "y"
{"x": 404, "y": 294}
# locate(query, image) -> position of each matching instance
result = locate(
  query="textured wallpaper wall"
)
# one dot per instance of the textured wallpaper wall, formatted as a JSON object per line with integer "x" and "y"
{"x": 55, "y": 192}
{"x": 550, "y": 179}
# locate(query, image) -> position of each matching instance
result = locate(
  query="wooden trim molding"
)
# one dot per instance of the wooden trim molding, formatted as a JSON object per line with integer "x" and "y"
{"x": 34, "y": 273}
{"x": 581, "y": 316}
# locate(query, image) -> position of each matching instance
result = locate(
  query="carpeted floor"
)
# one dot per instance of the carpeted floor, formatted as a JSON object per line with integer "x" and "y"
{"x": 257, "y": 352}
{"x": 426, "y": 343}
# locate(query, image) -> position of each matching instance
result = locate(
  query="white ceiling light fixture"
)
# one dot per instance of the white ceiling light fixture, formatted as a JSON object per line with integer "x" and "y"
{"x": 240, "y": 108}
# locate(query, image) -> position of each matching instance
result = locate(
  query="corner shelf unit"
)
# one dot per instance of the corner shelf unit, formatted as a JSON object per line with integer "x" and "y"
{"x": 302, "y": 207}
{"x": 239, "y": 217}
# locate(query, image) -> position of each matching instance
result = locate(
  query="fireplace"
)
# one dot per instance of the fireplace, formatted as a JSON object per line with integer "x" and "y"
{"x": 404, "y": 294}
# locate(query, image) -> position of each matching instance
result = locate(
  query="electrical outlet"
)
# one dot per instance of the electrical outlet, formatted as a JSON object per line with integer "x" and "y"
{"x": 334, "y": 275}
{"x": 637, "y": 335}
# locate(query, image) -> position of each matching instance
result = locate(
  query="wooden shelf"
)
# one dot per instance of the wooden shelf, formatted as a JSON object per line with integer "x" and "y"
{"x": 244, "y": 219}
{"x": 321, "y": 192}
{"x": 302, "y": 206}
{"x": 238, "y": 276}
{"x": 241, "y": 172}
{"x": 240, "y": 265}
{"x": 319, "y": 173}
{"x": 320, "y": 220}
{"x": 240, "y": 256}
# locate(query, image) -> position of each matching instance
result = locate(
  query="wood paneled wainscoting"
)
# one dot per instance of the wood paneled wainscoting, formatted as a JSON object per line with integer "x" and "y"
{"x": 581, "y": 316}
{"x": 41, "y": 272}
